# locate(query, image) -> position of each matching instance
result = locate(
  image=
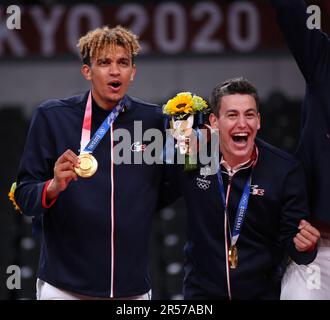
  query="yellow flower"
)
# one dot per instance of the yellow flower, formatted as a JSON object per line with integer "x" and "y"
{"x": 181, "y": 103}
{"x": 184, "y": 103}
{"x": 11, "y": 196}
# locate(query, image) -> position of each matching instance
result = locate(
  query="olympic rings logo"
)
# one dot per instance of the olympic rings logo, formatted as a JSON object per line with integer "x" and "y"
{"x": 203, "y": 185}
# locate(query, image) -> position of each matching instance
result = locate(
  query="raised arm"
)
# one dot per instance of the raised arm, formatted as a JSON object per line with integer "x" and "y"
{"x": 310, "y": 48}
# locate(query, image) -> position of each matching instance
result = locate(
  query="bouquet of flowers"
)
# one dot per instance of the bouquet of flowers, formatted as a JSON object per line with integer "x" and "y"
{"x": 182, "y": 109}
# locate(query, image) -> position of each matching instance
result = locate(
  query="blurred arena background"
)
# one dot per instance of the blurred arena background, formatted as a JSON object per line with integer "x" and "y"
{"x": 187, "y": 46}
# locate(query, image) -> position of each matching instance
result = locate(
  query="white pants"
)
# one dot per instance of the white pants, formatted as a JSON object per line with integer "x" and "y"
{"x": 311, "y": 282}
{"x": 46, "y": 291}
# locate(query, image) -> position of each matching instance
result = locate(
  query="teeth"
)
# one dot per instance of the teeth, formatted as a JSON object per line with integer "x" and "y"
{"x": 240, "y": 135}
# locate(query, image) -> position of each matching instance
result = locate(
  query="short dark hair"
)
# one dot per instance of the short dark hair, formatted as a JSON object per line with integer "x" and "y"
{"x": 229, "y": 87}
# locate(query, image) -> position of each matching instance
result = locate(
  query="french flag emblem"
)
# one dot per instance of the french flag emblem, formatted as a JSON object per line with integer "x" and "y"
{"x": 256, "y": 191}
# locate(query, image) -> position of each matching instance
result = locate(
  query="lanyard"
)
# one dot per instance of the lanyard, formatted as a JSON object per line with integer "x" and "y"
{"x": 242, "y": 206}
{"x": 88, "y": 145}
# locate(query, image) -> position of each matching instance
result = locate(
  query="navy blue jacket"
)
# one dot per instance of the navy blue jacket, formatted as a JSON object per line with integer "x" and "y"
{"x": 311, "y": 49}
{"x": 91, "y": 244}
{"x": 277, "y": 204}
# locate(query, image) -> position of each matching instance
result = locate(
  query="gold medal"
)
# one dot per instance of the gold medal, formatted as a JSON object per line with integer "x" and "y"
{"x": 88, "y": 166}
{"x": 233, "y": 257}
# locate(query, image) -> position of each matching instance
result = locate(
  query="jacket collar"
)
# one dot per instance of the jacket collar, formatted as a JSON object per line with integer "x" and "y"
{"x": 244, "y": 165}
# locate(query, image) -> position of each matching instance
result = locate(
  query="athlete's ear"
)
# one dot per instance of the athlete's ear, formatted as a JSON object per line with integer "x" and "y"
{"x": 213, "y": 121}
{"x": 86, "y": 71}
{"x": 133, "y": 72}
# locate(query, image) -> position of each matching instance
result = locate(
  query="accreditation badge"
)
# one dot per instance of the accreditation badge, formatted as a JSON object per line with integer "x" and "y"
{"x": 88, "y": 165}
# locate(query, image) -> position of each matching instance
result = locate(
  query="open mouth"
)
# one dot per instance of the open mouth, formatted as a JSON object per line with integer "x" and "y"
{"x": 240, "y": 137}
{"x": 114, "y": 84}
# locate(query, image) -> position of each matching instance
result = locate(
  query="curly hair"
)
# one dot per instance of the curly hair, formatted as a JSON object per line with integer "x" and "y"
{"x": 95, "y": 41}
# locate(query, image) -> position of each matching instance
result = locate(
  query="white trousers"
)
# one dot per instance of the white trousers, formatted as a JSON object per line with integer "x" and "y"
{"x": 311, "y": 282}
{"x": 46, "y": 291}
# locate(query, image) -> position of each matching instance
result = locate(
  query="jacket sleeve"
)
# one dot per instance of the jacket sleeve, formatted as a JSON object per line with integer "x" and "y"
{"x": 294, "y": 209}
{"x": 169, "y": 190}
{"x": 36, "y": 165}
{"x": 310, "y": 48}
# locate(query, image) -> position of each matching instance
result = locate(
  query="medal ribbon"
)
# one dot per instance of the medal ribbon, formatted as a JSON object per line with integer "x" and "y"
{"x": 242, "y": 206}
{"x": 88, "y": 145}
{"x": 240, "y": 214}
